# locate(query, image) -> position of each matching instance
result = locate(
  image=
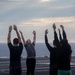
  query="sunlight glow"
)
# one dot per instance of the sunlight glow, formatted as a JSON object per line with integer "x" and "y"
{"x": 46, "y": 21}
{"x": 44, "y": 0}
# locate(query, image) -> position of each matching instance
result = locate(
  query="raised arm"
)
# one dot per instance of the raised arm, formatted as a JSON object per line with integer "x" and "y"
{"x": 55, "y": 36}
{"x": 46, "y": 41}
{"x": 9, "y": 35}
{"x": 18, "y": 35}
{"x": 34, "y": 38}
{"x": 60, "y": 37}
{"x": 64, "y": 33}
{"x": 22, "y": 37}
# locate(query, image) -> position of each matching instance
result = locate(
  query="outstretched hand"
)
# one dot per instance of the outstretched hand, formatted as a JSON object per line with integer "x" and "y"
{"x": 54, "y": 26}
{"x": 46, "y": 31}
{"x": 62, "y": 27}
{"x": 34, "y": 32}
{"x": 10, "y": 28}
{"x": 15, "y": 27}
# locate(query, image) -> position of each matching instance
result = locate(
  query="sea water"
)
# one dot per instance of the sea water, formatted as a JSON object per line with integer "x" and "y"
{"x": 41, "y": 50}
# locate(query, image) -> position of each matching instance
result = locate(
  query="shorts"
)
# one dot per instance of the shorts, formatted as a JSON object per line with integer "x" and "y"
{"x": 64, "y": 72}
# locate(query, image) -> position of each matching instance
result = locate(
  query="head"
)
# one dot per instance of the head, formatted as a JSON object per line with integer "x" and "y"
{"x": 54, "y": 43}
{"x": 64, "y": 42}
{"x": 15, "y": 41}
{"x": 28, "y": 41}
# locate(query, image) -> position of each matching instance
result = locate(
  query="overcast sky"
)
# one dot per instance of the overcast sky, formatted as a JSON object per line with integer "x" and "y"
{"x": 37, "y": 15}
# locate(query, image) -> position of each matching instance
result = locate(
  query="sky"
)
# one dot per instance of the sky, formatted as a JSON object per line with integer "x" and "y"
{"x": 37, "y": 15}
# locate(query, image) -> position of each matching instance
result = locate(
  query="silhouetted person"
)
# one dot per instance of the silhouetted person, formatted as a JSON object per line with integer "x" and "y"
{"x": 15, "y": 52}
{"x": 53, "y": 52}
{"x": 64, "y": 54}
{"x": 31, "y": 54}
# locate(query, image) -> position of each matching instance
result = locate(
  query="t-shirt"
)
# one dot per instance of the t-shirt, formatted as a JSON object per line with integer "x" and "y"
{"x": 53, "y": 56}
{"x": 53, "y": 51}
{"x": 15, "y": 54}
{"x": 64, "y": 58}
{"x": 30, "y": 48}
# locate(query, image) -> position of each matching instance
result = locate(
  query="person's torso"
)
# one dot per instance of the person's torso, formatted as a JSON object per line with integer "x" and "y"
{"x": 54, "y": 56}
{"x": 30, "y": 51}
{"x": 64, "y": 59}
{"x": 15, "y": 56}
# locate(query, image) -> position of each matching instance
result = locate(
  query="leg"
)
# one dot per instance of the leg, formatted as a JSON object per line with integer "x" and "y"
{"x": 18, "y": 71}
{"x": 53, "y": 70}
{"x": 32, "y": 72}
{"x": 33, "y": 66}
{"x": 11, "y": 72}
{"x": 28, "y": 66}
{"x": 28, "y": 72}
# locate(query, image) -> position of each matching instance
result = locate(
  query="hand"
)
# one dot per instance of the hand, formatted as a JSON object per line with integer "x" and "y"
{"x": 62, "y": 27}
{"x": 10, "y": 28}
{"x": 15, "y": 27}
{"x": 54, "y": 26}
{"x": 46, "y": 31}
{"x": 34, "y": 32}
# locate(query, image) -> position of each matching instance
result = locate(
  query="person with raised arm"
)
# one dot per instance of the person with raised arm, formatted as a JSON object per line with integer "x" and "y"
{"x": 15, "y": 52}
{"x": 64, "y": 67}
{"x": 31, "y": 54}
{"x": 53, "y": 52}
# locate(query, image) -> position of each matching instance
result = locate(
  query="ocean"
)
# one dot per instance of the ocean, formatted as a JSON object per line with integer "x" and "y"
{"x": 41, "y": 50}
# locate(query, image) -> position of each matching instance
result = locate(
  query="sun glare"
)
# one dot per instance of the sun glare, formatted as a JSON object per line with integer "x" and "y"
{"x": 45, "y": 0}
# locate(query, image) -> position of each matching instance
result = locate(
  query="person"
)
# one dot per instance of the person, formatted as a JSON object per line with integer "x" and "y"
{"x": 53, "y": 52}
{"x": 64, "y": 67}
{"x": 15, "y": 52}
{"x": 31, "y": 54}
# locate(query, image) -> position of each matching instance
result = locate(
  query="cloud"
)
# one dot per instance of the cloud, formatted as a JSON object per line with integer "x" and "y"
{"x": 61, "y": 7}
{"x": 46, "y": 21}
{"x": 11, "y": 0}
{"x": 1, "y": 23}
{"x": 15, "y": 0}
{"x": 37, "y": 14}
{"x": 26, "y": 9}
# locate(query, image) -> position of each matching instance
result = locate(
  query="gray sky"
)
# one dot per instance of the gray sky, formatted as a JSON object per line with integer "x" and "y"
{"x": 37, "y": 15}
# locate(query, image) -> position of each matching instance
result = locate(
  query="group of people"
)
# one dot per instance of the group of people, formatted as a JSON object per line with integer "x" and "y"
{"x": 60, "y": 54}
{"x": 16, "y": 50}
